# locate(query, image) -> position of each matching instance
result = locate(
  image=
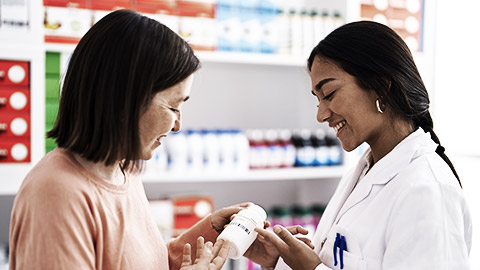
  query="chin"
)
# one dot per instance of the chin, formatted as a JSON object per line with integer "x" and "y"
{"x": 147, "y": 155}
{"x": 349, "y": 148}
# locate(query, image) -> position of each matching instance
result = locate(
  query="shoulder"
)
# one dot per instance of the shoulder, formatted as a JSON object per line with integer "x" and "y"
{"x": 54, "y": 181}
{"x": 429, "y": 170}
{"x": 428, "y": 187}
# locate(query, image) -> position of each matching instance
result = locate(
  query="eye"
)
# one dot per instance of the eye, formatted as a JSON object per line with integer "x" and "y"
{"x": 329, "y": 96}
{"x": 174, "y": 110}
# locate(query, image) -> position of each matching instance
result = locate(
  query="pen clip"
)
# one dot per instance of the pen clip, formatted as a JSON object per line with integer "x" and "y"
{"x": 335, "y": 245}
{"x": 343, "y": 246}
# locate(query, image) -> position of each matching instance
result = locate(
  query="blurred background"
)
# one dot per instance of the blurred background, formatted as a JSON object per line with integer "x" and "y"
{"x": 249, "y": 130}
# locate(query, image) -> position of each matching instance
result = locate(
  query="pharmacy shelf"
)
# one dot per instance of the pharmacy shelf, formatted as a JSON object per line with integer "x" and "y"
{"x": 287, "y": 174}
{"x": 60, "y": 47}
{"x": 217, "y": 56}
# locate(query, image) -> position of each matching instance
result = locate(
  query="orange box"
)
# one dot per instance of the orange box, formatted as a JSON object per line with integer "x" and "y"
{"x": 188, "y": 210}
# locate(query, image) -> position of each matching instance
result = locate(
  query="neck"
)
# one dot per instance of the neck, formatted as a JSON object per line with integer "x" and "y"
{"x": 109, "y": 173}
{"x": 390, "y": 138}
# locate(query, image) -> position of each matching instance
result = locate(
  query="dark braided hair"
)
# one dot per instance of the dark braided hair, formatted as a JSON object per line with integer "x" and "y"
{"x": 380, "y": 60}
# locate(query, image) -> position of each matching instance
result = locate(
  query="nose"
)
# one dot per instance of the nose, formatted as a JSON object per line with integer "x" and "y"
{"x": 177, "y": 125}
{"x": 323, "y": 112}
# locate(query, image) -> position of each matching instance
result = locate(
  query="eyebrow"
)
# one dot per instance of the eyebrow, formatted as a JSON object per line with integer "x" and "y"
{"x": 181, "y": 100}
{"x": 323, "y": 82}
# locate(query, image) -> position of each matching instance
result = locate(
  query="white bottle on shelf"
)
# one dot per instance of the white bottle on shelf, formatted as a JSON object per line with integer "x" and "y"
{"x": 337, "y": 20}
{"x": 284, "y": 30}
{"x": 241, "y": 151}
{"x": 307, "y": 34}
{"x": 226, "y": 153}
{"x": 296, "y": 37}
{"x": 195, "y": 150}
{"x": 176, "y": 144}
{"x": 328, "y": 22}
{"x": 318, "y": 27}
{"x": 211, "y": 157}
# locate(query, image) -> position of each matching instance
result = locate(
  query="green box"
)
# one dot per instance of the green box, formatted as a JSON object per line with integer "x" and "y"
{"x": 52, "y": 63}
{"x": 52, "y": 85}
{"x": 51, "y": 111}
{"x": 48, "y": 126}
{"x": 50, "y": 144}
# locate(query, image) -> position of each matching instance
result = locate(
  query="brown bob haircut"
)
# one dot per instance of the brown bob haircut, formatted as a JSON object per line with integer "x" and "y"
{"x": 113, "y": 74}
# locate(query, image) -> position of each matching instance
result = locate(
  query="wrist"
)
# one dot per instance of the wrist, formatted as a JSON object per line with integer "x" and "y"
{"x": 212, "y": 224}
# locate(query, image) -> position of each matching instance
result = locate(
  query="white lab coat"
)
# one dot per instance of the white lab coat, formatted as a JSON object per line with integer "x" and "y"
{"x": 408, "y": 212}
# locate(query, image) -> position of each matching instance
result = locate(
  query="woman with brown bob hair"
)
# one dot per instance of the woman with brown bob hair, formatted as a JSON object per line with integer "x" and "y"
{"x": 83, "y": 206}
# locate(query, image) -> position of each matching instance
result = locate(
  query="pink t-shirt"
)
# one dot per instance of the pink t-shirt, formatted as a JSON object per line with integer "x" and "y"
{"x": 64, "y": 217}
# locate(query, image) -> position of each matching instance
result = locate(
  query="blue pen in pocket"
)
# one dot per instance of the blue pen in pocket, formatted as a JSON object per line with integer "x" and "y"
{"x": 341, "y": 244}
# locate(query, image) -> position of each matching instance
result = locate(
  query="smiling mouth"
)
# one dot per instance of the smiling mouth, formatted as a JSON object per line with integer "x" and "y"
{"x": 339, "y": 126}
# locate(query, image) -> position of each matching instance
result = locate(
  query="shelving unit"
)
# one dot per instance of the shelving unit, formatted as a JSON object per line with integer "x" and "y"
{"x": 26, "y": 45}
{"x": 244, "y": 87}
{"x": 307, "y": 173}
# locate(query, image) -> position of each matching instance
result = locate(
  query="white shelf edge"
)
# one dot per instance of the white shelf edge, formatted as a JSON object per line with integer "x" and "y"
{"x": 251, "y": 58}
{"x": 308, "y": 173}
{"x": 59, "y": 47}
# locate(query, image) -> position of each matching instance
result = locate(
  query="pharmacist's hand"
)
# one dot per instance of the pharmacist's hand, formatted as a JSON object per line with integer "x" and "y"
{"x": 263, "y": 252}
{"x": 209, "y": 256}
{"x": 222, "y": 216}
{"x": 297, "y": 252}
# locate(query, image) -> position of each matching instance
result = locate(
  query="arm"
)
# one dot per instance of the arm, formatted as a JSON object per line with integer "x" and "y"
{"x": 51, "y": 228}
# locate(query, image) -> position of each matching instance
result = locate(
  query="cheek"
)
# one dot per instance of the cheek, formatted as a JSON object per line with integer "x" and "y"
{"x": 161, "y": 123}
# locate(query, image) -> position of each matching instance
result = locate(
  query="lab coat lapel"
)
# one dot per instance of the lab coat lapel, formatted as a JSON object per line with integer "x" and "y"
{"x": 346, "y": 185}
{"x": 388, "y": 167}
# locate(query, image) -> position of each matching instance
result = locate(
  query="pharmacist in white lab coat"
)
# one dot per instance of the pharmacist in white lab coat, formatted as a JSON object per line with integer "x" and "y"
{"x": 402, "y": 206}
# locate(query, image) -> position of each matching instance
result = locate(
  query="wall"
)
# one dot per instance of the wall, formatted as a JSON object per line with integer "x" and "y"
{"x": 456, "y": 97}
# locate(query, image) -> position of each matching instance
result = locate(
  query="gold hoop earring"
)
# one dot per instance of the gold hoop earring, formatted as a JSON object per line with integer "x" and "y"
{"x": 377, "y": 102}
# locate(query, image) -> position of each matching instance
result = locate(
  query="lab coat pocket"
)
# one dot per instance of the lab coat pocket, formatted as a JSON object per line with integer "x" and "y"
{"x": 342, "y": 251}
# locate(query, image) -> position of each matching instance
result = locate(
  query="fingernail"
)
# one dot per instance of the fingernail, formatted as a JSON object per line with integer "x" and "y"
{"x": 277, "y": 229}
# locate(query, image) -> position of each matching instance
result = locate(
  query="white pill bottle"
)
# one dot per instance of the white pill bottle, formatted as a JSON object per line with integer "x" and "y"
{"x": 240, "y": 231}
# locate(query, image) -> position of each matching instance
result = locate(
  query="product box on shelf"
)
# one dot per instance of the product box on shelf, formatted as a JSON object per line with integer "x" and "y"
{"x": 52, "y": 91}
{"x": 188, "y": 210}
{"x": 14, "y": 15}
{"x": 100, "y": 8}
{"x": 404, "y": 16}
{"x": 14, "y": 111}
{"x": 66, "y": 21}
{"x": 227, "y": 18}
{"x": 250, "y": 32}
{"x": 197, "y": 23}
{"x": 164, "y": 11}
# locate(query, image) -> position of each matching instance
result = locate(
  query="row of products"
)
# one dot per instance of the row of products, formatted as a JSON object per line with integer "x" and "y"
{"x": 14, "y": 111}
{"x": 272, "y": 26}
{"x": 262, "y": 26}
{"x": 237, "y": 150}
